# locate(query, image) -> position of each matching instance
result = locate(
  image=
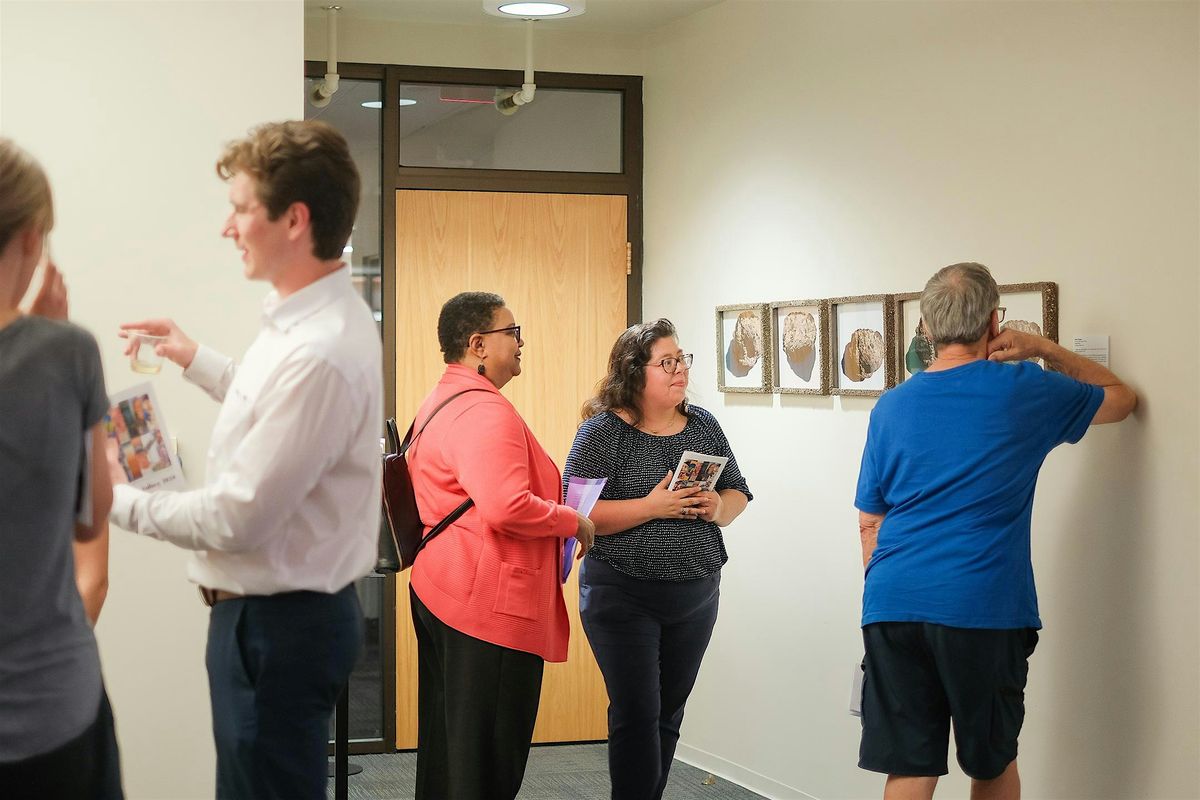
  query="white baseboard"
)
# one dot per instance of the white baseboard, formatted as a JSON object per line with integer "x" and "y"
{"x": 736, "y": 773}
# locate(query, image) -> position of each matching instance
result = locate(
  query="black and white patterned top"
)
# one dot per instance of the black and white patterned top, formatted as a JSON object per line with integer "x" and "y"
{"x": 634, "y": 462}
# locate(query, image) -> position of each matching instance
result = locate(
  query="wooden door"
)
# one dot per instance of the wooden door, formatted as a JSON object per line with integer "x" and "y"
{"x": 559, "y": 262}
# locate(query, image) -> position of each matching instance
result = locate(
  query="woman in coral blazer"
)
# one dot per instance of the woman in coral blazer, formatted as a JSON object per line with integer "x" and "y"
{"x": 487, "y": 598}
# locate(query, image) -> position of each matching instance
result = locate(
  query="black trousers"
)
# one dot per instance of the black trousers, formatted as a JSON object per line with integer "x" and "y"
{"x": 86, "y": 768}
{"x": 276, "y": 665}
{"x": 649, "y": 638}
{"x": 476, "y": 705}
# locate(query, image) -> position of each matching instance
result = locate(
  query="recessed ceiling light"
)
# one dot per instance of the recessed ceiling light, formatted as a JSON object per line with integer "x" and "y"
{"x": 373, "y": 104}
{"x": 534, "y": 9}
{"x": 406, "y": 101}
{"x": 555, "y": 10}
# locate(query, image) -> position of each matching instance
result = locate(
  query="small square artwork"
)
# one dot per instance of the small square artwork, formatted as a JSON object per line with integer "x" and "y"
{"x": 914, "y": 350}
{"x": 861, "y": 340}
{"x": 1029, "y": 307}
{"x": 744, "y": 348}
{"x": 800, "y": 329}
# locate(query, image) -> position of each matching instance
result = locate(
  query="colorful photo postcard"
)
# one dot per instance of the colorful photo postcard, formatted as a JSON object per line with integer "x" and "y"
{"x": 698, "y": 469}
{"x": 135, "y": 422}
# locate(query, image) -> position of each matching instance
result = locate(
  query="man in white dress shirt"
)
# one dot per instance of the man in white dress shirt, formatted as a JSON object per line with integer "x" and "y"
{"x": 288, "y": 516}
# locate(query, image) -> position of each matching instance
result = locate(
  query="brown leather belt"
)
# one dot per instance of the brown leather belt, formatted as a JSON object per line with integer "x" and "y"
{"x": 213, "y": 596}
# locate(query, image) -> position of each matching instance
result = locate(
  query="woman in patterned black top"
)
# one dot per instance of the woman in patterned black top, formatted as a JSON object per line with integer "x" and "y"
{"x": 648, "y": 588}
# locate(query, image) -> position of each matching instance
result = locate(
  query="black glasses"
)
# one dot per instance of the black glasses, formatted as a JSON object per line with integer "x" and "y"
{"x": 670, "y": 364}
{"x": 515, "y": 330}
{"x": 1000, "y": 314}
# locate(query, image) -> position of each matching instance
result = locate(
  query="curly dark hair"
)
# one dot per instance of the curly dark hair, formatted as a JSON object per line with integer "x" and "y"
{"x": 461, "y": 316}
{"x": 626, "y": 378}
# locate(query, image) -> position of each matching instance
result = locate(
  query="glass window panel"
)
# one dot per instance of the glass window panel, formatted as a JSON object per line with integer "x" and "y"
{"x": 362, "y": 126}
{"x": 562, "y": 130}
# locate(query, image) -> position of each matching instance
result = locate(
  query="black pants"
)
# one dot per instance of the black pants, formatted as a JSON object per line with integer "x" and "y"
{"x": 476, "y": 705}
{"x": 276, "y": 665}
{"x": 649, "y": 638}
{"x": 86, "y": 768}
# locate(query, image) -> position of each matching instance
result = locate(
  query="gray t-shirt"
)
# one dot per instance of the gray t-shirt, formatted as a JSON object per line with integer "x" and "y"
{"x": 51, "y": 393}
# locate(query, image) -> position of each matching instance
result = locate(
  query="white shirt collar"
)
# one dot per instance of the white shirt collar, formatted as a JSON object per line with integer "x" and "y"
{"x": 293, "y": 309}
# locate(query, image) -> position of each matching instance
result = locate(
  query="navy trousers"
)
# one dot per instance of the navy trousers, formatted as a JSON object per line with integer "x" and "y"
{"x": 649, "y": 638}
{"x": 276, "y": 665}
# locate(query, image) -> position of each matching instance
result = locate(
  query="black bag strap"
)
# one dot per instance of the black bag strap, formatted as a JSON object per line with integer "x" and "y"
{"x": 463, "y": 508}
{"x": 409, "y": 438}
{"x": 393, "y": 438}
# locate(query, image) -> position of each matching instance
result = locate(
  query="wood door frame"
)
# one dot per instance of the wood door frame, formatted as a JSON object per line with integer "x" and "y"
{"x": 394, "y": 177}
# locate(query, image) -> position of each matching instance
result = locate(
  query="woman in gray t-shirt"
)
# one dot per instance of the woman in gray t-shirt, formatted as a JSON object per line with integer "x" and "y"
{"x": 56, "y": 730}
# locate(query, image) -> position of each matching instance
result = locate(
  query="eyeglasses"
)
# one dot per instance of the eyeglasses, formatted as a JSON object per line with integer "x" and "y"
{"x": 1000, "y": 314}
{"x": 670, "y": 364}
{"x": 515, "y": 330}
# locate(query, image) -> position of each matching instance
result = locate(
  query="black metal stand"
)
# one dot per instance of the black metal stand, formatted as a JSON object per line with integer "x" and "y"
{"x": 341, "y": 768}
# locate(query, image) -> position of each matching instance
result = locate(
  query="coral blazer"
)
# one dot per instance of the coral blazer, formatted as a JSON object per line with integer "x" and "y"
{"x": 494, "y": 573}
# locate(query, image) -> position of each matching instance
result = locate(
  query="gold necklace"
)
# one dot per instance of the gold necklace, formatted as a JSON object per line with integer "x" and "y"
{"x": 658, "y": 431}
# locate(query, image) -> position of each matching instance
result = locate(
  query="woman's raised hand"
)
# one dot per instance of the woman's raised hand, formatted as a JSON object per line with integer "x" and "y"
{"x": 177, "y": 347}
{"x": 667, "y": 504}
{"x": 51, "y": 299}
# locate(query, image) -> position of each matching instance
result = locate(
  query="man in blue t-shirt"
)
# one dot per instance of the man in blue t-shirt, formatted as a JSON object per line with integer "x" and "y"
{"x": 945, "y": 496}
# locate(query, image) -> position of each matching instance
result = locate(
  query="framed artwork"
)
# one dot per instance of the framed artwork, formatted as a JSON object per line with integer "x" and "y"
{"x": 913, "y": 351}
{"x": 1030, "y": 307}
{"x": 861, "y": 338}
{"x": 744, "y": 348}
{"x": 800, "y": 330}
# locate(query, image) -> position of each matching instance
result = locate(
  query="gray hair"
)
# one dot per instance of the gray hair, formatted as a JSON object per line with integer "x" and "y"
{"x": 957, "y": 303}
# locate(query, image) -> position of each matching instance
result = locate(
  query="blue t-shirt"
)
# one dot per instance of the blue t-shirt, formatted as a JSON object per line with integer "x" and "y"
{"x": 951, "y": 460}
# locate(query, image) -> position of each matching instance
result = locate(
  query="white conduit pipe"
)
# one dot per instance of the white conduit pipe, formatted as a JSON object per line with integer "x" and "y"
{"x": 325, "y": 89}
{"x": 524, "y": 95}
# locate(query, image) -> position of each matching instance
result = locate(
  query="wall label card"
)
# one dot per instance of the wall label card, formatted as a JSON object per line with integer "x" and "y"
{"x": 1092, "y": 347}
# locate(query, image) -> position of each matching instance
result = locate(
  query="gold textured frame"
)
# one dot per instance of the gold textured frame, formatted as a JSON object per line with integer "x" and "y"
{"x": 900, "y": 334}
{"x": 778, "y": 358}
{"x": 833, "y": 356}
{"x": 764, "y": 387}
{"x": 1049, "y": 292}
{"x": 1049, "y": 321}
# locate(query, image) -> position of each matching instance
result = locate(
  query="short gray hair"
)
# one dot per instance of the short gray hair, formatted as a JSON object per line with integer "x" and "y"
{"x": 957, "y": 303}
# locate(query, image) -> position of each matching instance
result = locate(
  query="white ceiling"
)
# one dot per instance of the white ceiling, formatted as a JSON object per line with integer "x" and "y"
{"x": 623, "y": 16}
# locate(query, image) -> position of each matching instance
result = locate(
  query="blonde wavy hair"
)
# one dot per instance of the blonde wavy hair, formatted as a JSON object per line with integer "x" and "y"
{"x": 24, "y": 193}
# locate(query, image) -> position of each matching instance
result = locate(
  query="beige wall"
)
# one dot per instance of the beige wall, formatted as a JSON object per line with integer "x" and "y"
{"x": 821, "y": 149}
{"x": 499, "y": 45}
{"x": 127, "y": 106}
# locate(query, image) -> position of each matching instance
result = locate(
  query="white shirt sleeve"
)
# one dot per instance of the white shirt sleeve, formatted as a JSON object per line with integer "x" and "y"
{"x": 304, "y": 421}
{"x": 211, "y": 371}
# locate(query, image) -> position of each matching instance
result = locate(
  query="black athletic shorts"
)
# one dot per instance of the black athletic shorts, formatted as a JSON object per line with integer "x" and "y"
{"x": 922, "y": 677}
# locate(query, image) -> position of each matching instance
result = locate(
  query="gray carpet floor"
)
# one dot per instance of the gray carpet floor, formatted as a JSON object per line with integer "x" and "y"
{"x": 560, "y": 772}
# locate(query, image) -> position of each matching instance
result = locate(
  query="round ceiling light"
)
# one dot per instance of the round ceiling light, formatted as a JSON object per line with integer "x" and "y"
{"x": 545, "y": 10}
